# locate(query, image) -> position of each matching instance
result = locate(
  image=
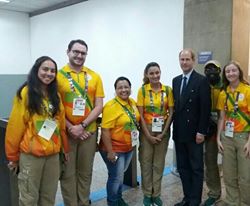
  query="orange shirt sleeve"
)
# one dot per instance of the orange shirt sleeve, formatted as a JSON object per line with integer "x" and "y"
{"x": 16, "y": 127}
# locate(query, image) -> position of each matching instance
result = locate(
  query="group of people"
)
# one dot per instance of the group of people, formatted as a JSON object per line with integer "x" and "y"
{"x": 52, "y": 131}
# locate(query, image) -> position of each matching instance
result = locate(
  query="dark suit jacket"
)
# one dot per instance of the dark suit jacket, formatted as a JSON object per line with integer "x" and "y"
{"x": 192, "y": 111}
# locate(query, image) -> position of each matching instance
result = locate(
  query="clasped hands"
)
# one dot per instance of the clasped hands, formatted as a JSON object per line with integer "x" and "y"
{"x": 78, "y": 132}
{"x": 155, "y": 139}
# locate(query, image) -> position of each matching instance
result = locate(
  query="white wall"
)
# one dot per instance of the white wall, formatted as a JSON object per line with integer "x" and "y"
{"x": 123, "y": 36}
{"x": 14, "y": 42}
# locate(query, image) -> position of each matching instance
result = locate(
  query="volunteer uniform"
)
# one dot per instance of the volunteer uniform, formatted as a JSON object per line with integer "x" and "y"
{"x": 78, "y": 91}
{"x": 236, "y": 167}
{"x": 35, "y": 141}
{"x": 121, "y": 118}
{"x": 152, "y": 156}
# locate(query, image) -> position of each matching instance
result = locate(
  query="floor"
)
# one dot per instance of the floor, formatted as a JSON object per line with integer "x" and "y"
{"x": 171, "y": 185}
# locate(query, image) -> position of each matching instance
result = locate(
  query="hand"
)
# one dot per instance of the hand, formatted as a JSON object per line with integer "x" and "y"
{"x": 66, "y": 157}
{"x": 154, "y": 140}
{"x": 220, "y": 146}
{"x": 13, "y": 167}
{"x": 76, "y": 131}
{"x": 85, "y": 135}
{"x": 199, "y": 138}
{"x": 160, "y": 136}
{"x": 112, "y": 157}
{"x": 247, "y": 149}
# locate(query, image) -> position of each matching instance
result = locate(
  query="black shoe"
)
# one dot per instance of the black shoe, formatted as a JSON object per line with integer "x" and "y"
{"x": 182, "y": 203}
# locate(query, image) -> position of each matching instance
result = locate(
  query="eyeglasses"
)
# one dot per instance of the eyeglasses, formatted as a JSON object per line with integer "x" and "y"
{"x": 77, "y": 52}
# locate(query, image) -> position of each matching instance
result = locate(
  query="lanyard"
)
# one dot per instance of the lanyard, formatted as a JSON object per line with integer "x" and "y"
{"x": 152, "y": 102}
{"x": 48, "y": 110}
{"x": 236, "y": 105}
{"x": 130, "y": 115}
{"x": 72, "y": 87}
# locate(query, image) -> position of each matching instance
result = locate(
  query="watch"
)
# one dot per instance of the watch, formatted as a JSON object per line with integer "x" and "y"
{"x": 84, "y": 125}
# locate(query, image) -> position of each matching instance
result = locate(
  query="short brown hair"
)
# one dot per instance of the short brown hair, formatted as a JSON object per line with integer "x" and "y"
{"x": 190, "y": 51}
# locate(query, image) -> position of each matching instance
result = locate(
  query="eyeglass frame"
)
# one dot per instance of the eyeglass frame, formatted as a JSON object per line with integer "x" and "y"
{"x": 77, "y": 52}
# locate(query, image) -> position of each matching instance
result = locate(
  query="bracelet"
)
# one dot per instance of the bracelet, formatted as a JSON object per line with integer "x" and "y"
{"x": 84, "y": 125}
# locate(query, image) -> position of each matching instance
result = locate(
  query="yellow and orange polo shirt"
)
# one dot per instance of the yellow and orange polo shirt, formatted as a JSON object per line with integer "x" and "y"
{"x": 240, "y": 121}
{"x": 116, "y": 119}
{"x": 95, "y": 89}
{"x": 23, "y": 128}
{"x": 143, "y": 100}
{"x": 215, "y": 92}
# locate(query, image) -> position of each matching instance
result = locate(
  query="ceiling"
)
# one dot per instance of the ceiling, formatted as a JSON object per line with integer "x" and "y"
{"x": 35, "y": 7}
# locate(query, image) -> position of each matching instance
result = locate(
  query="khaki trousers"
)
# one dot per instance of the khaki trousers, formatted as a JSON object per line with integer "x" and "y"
{"x": 236, "y": 170}
{"x": 152, "y": 161}
{"x": 77, "y": 175}
{"x": 212, "y": 170}
{"x": 38, "y": 180}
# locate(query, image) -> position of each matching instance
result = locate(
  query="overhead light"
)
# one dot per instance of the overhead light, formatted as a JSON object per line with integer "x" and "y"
{"x": 5, "y": 1}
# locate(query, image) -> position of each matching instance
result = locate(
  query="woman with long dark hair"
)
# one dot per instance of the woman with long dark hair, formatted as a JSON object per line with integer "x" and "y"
{"x": 36, "y": 134}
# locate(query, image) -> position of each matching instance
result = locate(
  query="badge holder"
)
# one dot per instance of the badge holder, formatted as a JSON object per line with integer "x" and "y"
{"x": 157, "y": 123}
{"x": 229, "y": 129}
{"x": 135, "y": 137}
{"x": 79, "y": 106}
{"x": 48, "y": 129}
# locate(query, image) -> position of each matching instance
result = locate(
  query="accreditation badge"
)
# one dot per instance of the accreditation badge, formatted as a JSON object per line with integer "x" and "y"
{"x": 241, "y": 97}
{"x": 48, "y": 129}
{"x": 157, "y": 123}
{"x": 135, "y": 137}
{"x": 79, "y": 104}
{"x": 229, "y": 129}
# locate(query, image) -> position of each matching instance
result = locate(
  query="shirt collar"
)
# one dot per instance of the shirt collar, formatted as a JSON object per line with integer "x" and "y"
{"x": 238, "y": 88}
{"x": 68, "y": 69}
{"x": 124, "y": 103}
{"x": 149, "y": 88}
{"x": 188, "y": 74}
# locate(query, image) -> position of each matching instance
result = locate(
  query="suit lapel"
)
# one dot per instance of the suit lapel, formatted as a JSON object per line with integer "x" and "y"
{"x": 177, "y": 86}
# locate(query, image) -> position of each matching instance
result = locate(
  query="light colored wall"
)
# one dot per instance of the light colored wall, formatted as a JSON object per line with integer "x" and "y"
{"x": 15, "y": 56}
{"x": 123, "y": 36}
{"x": 15, "y": 42}
{"x": 208, "y": 27}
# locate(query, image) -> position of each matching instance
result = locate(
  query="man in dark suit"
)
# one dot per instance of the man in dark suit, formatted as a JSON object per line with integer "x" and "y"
{"x": 191, "y": 116}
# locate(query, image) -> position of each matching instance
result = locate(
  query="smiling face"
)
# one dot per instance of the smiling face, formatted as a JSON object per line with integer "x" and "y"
{"x": 123, "y": 89}
{"x": 232, "y": 73}
{"x": 77, "y": 55}
{"x": 154, "y": 74}
{"x": 47, "y": 72}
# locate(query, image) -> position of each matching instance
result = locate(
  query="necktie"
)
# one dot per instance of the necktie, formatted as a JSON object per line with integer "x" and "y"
{"x": 184, "y": 85}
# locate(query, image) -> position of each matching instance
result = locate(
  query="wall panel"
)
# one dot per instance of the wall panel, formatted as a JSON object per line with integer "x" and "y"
{"x": 241, "y": 33}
